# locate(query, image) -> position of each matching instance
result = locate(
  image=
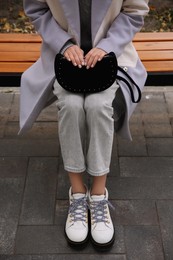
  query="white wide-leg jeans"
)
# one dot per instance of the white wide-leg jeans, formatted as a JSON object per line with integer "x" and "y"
{"x": 86, "y": 129}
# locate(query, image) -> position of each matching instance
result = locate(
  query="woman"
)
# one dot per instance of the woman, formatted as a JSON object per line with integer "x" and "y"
{"x": 84, "y": 31}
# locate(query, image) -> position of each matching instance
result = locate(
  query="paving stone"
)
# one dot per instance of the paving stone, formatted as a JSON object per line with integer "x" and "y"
{"x": 3, "y": 121}
{"x": 61, "y": 211}
{"x": 155, "y": 118}
{"x": 160, "y": 146}
{"x": 140, "y": 188}
{"x": 51, "y": 240}
{"x": 136, "y": 129}
{"x": 153, "y": 103}
{"x": 81, "y": 257}
{"x": 11, "y": 190}
{"x": 63, "y": 184}
{"x": 114, "y": 165}
{"x": 165, "y": 212}
{"x": 158, "y": 130}
{"x": 13, "y": 166}
{"x": 143, "y": 243}
{"x": 28, "y": 147}
{"x": 48, "y": 114}
{"x": 134, "y": 212}
{"x": 39, "y": 130}
{"x": 146, "y": 166}
{"x": 137, "y": 147}
{"x": 169, "y": 98}
{"x": 14, "y": 112}
{"x": 5, "y": 103}
{"x": 15, "y": 257}
{"x": 40, "y": 192}
{"x": 136, "y": 118}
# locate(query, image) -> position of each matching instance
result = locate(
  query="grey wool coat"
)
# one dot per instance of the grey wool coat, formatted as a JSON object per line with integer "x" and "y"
{"x": 114, "y": 25}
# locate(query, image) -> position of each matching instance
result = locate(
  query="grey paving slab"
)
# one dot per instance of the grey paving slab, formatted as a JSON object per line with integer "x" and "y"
{"x": 13, "y": 166}
{"x": 155, "y": 118}
{"x": 158, "y": 130}
{"x": 3, "y": 122}
{"x": 165, "y": 212}
{"x": 136, "y": 118}
{"x": 11, "y": 190}
{"x": 136, "y": 147}
{"x": 154, "y": 106}
{"x": 134, "y": 212}
{"x": 41, "y": 130}
{"x": 14, "y": 112}
{"x": 63, "y": 184}
{"x": 169, "y": 99}
{"x": 143, "y": 243}
{"x": 140, "y": 188}
{"x": 15, "y": 257}
{"x": 48, "y": 114}
{"x": 160, "y": 146}
{"x": 27, "y": 147}
{"x": 81, "y": 257}
{"x": 51, "y": 240}
{"x": 114, "y": 165}
{"x": 136, "y": 129}
{"x": 5, "y": 103}
{"x": 40, "y": 192}
{"x": 146, "y": 167}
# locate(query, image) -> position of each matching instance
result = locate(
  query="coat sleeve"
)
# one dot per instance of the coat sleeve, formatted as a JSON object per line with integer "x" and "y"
{"x": 41, "y": 17}
{"x": 125, "y": 26}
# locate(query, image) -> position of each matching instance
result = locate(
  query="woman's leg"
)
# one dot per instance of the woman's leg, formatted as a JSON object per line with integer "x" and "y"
{"x": 100, "y": 124}
{"x": 100, "y": 130}
{"x": 71, "y": 125}
{"x": 98, "y": 185}
{"x": 76, "y": 181}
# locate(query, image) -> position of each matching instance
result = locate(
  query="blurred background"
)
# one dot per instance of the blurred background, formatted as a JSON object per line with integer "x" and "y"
{"x": 13, "y": 19}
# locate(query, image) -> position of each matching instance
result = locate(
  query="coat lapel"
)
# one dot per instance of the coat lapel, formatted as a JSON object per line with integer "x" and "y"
{"x": 102, "y": 6}
{"x": 71, "y": 11}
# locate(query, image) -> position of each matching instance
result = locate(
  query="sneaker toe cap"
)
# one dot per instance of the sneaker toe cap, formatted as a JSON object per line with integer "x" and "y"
{"x": 76, "y": 234}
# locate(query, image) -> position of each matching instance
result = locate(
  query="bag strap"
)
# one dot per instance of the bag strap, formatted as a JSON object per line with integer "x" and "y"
{"x": 129, "y": 86}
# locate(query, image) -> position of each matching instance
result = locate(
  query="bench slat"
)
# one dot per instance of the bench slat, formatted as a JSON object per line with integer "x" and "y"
{"x": 14, "y": 67}
{"x": 153, "y": 46}
{"x": 154, "y": 66}
{"x": 155, "y": 55}
{"x": 13, "y": 47}
{"x": 19, "y": 37}
{"x": 19, "y": 56}
{"x": 151, "y": 66}
{"x": 156, "y": 36}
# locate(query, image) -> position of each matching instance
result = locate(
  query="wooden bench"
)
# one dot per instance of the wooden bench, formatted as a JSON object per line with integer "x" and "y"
{"x": 19, "y": 51}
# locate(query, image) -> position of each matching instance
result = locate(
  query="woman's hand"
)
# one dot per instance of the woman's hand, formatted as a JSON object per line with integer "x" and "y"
{"x": 76, "y": 55}
{"x": 93, "y": 56}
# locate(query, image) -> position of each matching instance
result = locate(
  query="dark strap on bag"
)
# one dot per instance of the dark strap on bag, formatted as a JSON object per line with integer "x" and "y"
{"x": 129, "y": 86}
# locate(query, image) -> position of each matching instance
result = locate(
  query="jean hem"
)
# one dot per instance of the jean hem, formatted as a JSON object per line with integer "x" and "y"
{"x": 100, "y": 173}
{"x": 75, "y": 170}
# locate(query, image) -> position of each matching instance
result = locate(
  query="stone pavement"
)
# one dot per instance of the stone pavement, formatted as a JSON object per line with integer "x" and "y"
{"x": 34, "y": 186}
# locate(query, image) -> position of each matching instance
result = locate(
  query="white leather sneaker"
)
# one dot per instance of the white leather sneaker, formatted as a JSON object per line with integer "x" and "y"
{"x": 76, "y": 228}
{"x": 102, "y": 229}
